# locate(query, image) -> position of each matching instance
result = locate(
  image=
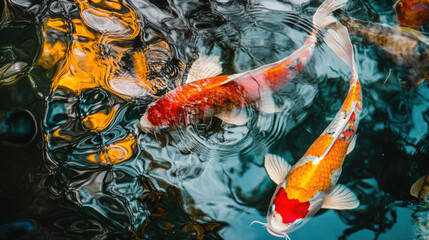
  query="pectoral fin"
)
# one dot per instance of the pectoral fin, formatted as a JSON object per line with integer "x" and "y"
{"x": 204, "y": 67}
{"x": 276, "y": 167}
{"x": 341, "y": 197}
{"x": 266, "y": 104}
{"x": 236, "y": 116}
{"x": 352, "y": 145}
{"x": 417, "y": 187}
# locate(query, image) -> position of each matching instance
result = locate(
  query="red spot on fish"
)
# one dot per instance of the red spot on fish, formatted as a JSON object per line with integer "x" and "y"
{"x": 289, "y": 209}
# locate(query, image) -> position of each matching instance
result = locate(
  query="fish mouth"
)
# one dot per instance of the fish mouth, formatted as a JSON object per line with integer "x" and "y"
{"x": 145, "y": 125}
{"x": 272, "y": 232}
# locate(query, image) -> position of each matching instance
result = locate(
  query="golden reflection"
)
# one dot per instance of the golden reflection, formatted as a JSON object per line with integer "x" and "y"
{"x": 57, "y": 134}
{"x": 101, "y": 49}
{"x": 100, "y": 120}
{"x": 93, "y": 58}
{"x": 115, "y": 5}
{"x": 117, "y": 152}
{"x": 58, "y": 24}
{"x": 142, "y": 70}
{"x": 52, "y": 49}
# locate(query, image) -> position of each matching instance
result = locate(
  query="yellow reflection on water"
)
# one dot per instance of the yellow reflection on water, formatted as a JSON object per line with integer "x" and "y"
{"x": 52, "y": 49}
{"x": 57, "y": 134}
{"x": 100, "y": 120}
{"x": 98, "y": 50}
{"x": 117, "y": 152}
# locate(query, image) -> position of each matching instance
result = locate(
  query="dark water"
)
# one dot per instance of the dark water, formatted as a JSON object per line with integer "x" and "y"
{"x": 88, "y": 172}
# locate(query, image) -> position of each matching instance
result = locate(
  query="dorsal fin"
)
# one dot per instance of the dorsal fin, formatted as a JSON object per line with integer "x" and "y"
{"x": 341, "y": 197}
{"x": 267, "y": 104}
{"x": 236, "y": 116}
{"x": 204, "y": 67}
{"x": 352, "y": 145}
{"x": 276, "y": 167}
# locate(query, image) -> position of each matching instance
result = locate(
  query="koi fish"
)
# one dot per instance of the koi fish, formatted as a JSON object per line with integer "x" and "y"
{"x": 420, "y": 190}
{"x": 225, "y": 96}
{"x": 405, "y": 47}
{"x": 310, "y": 184}
{"x": 412, "y": 13}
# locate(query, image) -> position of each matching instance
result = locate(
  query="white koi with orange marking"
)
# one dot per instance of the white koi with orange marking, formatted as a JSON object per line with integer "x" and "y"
{"x": 311, "y": 183}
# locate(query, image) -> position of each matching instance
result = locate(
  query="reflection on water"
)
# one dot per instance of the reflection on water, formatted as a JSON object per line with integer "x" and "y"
{"x": 87, "y": 71}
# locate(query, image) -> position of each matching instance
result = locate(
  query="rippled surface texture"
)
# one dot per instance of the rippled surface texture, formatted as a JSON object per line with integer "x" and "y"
{"x": 84, "y": 72}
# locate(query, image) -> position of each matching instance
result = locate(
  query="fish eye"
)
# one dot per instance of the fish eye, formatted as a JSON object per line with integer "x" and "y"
{"x": 298, "y": 222}
{"x": 272, "y": 208}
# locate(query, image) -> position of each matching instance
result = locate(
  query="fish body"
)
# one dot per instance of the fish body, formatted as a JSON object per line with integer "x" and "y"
{"x": 412, "y": 13}
{"x": 402, "y": 46}
{"x": 225, "y": 96}
{"x": 225, "y": 93}
{"x": 406, "y": 48}
{"x": 311, "y": 183}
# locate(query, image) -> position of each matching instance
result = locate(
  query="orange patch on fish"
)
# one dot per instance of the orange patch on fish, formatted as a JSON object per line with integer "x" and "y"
{"x": 355, "y": 95}
{"x": 307, "y": 179}
{"x": 196, "y": 98}
{"x": 319, "y": 146}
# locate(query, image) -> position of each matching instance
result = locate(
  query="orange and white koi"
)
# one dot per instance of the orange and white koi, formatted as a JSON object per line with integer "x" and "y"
{"x": 225, "y": 96}
{"x": 311, "y": 183}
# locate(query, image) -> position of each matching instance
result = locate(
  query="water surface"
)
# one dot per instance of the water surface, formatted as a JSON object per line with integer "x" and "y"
{"x": 91, "y": 173}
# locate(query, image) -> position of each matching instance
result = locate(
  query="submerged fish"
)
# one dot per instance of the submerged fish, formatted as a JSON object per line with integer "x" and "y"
{"x": 412, "y": 13}
{"x": 420, "y": 190}
{"x": 225, "y": 96}
{"x": 405, "y": 47}
{"x": 310, "y": 184}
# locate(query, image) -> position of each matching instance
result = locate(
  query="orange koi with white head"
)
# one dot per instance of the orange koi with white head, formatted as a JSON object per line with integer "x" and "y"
{"x": 225, "y": 96}
{"x": 311, "y": 183}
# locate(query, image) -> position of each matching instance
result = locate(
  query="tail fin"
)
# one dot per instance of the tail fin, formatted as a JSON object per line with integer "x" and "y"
{"x": 320, "y": 18}
{"x": 337, "y": 38}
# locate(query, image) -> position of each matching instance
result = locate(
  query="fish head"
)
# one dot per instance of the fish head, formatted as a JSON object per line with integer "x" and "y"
{"x": 286, "y": 215}
{"x": 146, "y": 126}
{"x": 412, "y": 13}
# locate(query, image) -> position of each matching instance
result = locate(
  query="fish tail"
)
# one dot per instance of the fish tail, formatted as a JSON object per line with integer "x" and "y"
{"x": 338, "y": 39}
{"x": 320, "y": 18}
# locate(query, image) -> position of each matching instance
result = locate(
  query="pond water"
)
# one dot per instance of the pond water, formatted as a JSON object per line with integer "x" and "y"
{"x": 77, "y": 76}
